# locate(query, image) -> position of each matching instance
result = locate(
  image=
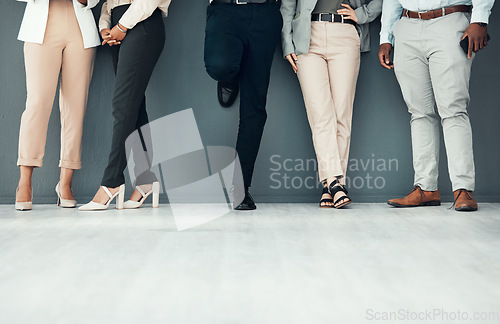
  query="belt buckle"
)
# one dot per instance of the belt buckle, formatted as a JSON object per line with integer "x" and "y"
{"x": 326, "y": 14}
{"x": 239, "y": 2}
{"x": 421, "y": 12}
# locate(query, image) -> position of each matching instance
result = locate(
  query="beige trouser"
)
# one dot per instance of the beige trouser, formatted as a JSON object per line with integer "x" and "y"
{"x": 328, "y": 76}
{"x": 62, "y": 52}
{"x": 434, "y": 72}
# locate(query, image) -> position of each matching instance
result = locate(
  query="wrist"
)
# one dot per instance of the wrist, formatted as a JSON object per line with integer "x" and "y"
{"x": 481, "y": 24}
{"x": 122, "y": 28}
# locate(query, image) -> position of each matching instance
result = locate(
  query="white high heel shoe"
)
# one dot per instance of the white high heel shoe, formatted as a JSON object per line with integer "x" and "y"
{"x": 65, "y": 203}
{"x": 155, "y": 191}
{"x": 25, "y": 205}
{"x": 119, "y": 195}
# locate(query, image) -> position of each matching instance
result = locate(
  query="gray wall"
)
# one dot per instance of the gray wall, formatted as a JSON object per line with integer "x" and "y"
{"x": 381, "y": 133}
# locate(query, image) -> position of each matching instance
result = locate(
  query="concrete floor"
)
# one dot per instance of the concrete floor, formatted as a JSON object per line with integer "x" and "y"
{"x": 286, "y": 263}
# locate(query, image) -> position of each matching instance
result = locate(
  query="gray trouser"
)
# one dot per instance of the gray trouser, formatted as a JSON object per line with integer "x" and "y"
{"x": 434, "y": 74}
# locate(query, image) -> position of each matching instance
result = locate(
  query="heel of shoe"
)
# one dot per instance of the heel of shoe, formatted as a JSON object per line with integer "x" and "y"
{"x": 65, "y": 203}
{"x": 58, "y": 195}
{"x": 27, "y": 205}
{"x": 120, "y": 199}
{"x": 156, "y": 194}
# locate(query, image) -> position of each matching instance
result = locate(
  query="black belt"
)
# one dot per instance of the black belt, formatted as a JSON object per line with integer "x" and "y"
{"x": 244, "y": 2}
{"x": 328, "y": 17}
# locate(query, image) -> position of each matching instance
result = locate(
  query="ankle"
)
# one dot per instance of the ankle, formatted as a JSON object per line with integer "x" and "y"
{"x": 63, "y": 184}
{"x": 336, "y": 180}
{"x": 24, "y": 185}
{"x": 113, "y": 190}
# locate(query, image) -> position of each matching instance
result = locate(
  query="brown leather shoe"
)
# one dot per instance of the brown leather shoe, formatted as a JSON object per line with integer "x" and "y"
{"x": 417, "y": 198}
{"x": 464, "y": 200}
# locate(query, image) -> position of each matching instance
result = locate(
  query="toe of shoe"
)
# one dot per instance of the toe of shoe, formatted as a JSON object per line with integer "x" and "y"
{"x": 393, "y": 202}
{"x": 246, "y": 207}
{"x": 466, "y": 208}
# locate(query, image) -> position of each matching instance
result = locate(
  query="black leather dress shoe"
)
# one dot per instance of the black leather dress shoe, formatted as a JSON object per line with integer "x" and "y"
{"x": 247, "y": 203}
{"x": 227, "y": 93}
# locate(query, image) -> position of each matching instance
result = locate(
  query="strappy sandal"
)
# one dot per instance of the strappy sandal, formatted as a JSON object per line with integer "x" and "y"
{"x": 336, "y": 187}
{"x": 325, "y": 200}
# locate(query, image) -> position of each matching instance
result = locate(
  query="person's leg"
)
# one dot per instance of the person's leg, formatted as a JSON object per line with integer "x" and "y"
{"x": 450, "y": 73}
{"x": 43, "y": 64}
{"x": 24, "y": 192}
{"x": 65, "y": 178}
{"x": 412, "y": 71}
{"x": 225, "y": 35}
{"x": 76, "y": 74}
{"x": 343, "y": 64}
{"x": 139, "y": 52}
{"x": 137, "y": 59}
{"x": 255, "y": 76}
{"x": 143, "y": 155}
{"x": 314, "y": 81}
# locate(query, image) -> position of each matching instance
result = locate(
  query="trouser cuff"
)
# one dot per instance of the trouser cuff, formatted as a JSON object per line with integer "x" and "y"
{"x": 29, "y": 162}
{"x": 70, "y": 165}
{"x": 468, "y": 187}
{"x": 426, "y": 186}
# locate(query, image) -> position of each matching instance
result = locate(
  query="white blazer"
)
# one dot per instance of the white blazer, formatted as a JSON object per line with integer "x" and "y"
{"x": 35, "y": 22}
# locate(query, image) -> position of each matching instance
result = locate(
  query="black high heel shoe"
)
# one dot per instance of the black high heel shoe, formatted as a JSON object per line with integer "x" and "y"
{"x": 336, "y": 187}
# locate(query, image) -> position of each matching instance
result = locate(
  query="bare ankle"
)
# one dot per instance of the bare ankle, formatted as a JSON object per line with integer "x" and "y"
{"x": 24, "y": 185}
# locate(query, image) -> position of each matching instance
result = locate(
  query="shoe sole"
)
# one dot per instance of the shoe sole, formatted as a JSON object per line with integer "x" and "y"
{"x": 426, "y": 204}
{"x": 343, "y": 205}
{"x": 22, "y": 208}
{"x": 246, "y": 208}
{"x": 466, "y": 209}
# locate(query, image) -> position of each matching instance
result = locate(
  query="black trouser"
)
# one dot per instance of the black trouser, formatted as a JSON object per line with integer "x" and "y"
{"x": 133, "y": 61}
{"x": 240, "y": 42}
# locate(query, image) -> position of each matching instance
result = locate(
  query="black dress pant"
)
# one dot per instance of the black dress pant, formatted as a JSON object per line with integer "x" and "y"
{"x": 134, "y": 61}
{"x": 240, "y": 43}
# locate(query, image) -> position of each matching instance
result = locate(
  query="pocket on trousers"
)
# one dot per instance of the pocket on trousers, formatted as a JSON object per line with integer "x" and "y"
{"x": 153, "y": 26}
{"x": 316, "y": 35}
{"x": 466, "y": 19}
{"x": 396, "y": 27}
{"x": 356, "y": 34}
{"x": 210, "y": 10}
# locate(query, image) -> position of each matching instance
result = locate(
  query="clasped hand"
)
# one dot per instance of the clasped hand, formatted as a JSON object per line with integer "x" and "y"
{"x": 113, "y": 36}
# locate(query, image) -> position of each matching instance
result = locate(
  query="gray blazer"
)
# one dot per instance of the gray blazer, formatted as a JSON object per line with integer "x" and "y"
{"x": 296, "y": 34}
